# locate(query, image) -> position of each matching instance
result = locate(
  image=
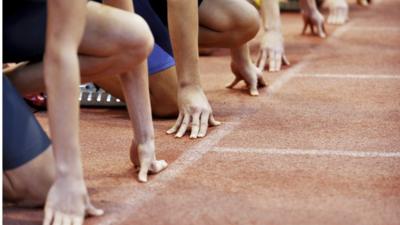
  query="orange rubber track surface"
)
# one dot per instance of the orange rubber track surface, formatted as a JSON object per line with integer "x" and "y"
{"x": 320, "y": 145}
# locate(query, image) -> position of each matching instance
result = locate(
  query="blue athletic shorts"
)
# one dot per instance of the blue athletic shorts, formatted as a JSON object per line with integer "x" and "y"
{"x": 23, "y": 137}
{"x": 24, "y": 31}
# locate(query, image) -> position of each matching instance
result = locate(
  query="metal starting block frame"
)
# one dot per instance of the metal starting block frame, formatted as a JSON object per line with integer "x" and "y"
{"x": 90, "y": 96}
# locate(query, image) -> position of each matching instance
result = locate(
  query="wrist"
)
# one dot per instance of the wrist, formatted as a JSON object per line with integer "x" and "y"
{"x": 69, "y": 170}
{"x": 146, "y": 140}
{"x": 189, "y": 81}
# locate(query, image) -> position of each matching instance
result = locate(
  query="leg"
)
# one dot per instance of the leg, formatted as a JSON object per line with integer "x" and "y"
{"x": 163, "y": 80}
{"x": 123, "y": 44}
{"x": 163, "y": 91}
{"x": 227, "y": 23}
{"x": 28, "y": 184}
{"x": 231, "y": 25}
{"x": 28, "y": 162}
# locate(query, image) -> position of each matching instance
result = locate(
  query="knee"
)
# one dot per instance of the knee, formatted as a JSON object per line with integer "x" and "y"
{"x": 142, "y": 42}
{"x": 247, "y": 23}
{"x": 134, "y": 41}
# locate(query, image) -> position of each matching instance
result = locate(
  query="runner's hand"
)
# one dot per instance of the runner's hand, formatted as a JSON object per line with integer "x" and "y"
{"x": 68, "y": 202}
{"x": 250, "y": 74}
{"x": 314, "y": 18}
{"x": 144, "y": 158}
{"x": 338, "y": 12}
{"x": 194, "y": 112}
{"x": 272, "y": 49}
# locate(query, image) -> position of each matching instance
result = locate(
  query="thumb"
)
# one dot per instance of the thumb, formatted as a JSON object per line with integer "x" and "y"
{"x": 234, "y": 82}
{"x": 91, "y": 210}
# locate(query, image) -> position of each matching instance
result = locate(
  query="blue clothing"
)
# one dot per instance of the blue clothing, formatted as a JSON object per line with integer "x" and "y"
{"x": 23, "y": 137}
{"x": 155, "y": 22}
{"x": 159, "y": 60}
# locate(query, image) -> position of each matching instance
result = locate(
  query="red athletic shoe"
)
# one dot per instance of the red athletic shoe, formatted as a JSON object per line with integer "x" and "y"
{"x": 37, "y": 101}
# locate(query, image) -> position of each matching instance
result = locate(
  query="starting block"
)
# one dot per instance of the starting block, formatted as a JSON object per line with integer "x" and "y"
{"x": 92, "y": 96}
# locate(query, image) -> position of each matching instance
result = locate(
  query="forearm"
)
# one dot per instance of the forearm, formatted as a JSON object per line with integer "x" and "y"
{"x": 136, "y": 89}
{"x": 65, "y": 26}
{"x": 62, "y": 84}
{"x": 241, "y": 54}
{"x": 184, "y": 28}
{"x": 270, "y": 15}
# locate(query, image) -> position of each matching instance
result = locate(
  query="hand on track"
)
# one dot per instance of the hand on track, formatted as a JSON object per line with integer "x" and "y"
{"x": 68, "y": 202}
{"x": 272, "y": 51}
{"x": 143, "y": 156}
{"x": 314, "y": 19}
{"x": 250, "y": 74}
{"x": 338, "y": 12}
{"x": 194, "y": 112}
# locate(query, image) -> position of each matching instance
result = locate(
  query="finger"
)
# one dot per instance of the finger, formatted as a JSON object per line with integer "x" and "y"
{"x": 144, "y": 170}
{"x": 195, "y": 125}
{"x": 204, "y": 124}
{"x": 77, "y": 221}
{"x": 261, "y": 82}
{"x": 330, "y": 18}
{"x": 342, "y": 16}
{"x": 271, "y": 62}
{"x": 305, "y": 26}
{"x": 184, "y": 126}
{"x": 259, "y": 55}
{"x": 323, "y": 28}
{"x": 91, "y": 210}
{"x": 66, "y": 220}
{"x": 262, "y": 60}
{"x": 48, "y": 215}
{"x": 212, "y": 121}
{"x": 253, "y": 90}
{"x": 234, "y": 82}
{"x": 177, "y": 124}
{"x": 57, "y": 218}
{"x": 346, "y": 12}
{"x": 320, "y": 31}
{"x": 285, "y": 60}
{"x": 158, "y": 166}
{"x": 335, "y": 18}
{"x": 312, "y": 28}
{"x": 278, "y": 61}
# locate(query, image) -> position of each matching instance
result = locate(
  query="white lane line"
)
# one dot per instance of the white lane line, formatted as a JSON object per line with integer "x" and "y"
{"x": 288, "y": 75}
{"x": 352, "y": 76}
{"x": 377, "y": 29}
{"x": 294, "y": 71}
{"x": 134, "y": 198}
{"x": 310, "y": 152}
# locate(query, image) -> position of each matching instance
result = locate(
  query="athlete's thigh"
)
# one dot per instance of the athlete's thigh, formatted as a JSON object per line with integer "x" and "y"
{"x": 29, "y": 183}
{"x": 223, "y": 15}
{"x": 27, "y": 158}
{"x": 109, "y": 29}
{"x": 163, "y": 93}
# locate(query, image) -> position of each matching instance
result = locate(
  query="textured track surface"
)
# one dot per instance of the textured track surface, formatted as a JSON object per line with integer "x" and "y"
{"x": 320, "y": 145}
